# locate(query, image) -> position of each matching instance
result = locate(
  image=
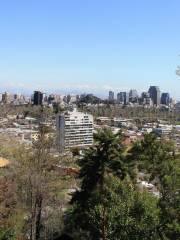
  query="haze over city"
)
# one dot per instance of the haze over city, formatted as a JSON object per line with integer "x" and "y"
{"x": 89, "y": 46}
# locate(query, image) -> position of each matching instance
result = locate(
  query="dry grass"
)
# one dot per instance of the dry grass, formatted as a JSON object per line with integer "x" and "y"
{"x": 3, "y": 162}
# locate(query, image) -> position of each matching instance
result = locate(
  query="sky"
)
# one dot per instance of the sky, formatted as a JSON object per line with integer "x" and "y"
{"x": 89, "y": 45}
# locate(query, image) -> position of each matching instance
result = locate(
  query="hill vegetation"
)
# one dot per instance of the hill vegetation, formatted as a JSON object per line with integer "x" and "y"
{"x": 104, "y": 202}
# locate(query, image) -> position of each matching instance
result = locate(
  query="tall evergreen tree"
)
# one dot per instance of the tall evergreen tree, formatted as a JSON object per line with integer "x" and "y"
{"x": 107, "y": 206}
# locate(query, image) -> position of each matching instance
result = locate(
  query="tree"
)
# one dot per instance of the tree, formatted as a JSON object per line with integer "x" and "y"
{"x": 7, "y": 207}
{"x": 158, "y": 159}
{"x": 170, "y": 199}
{"x": 38, "y": 188}
{"x": 107, "y": 206}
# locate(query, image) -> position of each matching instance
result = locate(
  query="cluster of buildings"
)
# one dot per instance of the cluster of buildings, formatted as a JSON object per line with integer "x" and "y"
{"x": 151, "y": 98}
{"x": 19, "y": 128}
{"x": 14, "y": 99}
{"x": 71, "y": 129}
{"x": 133, "y": 132}
{"x": 74, "y": 129}
{"x": 37, "y": 98}
{"x": 40, "y": 98}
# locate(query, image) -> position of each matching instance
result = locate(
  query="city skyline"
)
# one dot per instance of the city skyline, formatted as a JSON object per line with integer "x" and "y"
{"x": 92, "y": 46}
{"x": 103, "y": 96}
{"x": 132, "y": 95}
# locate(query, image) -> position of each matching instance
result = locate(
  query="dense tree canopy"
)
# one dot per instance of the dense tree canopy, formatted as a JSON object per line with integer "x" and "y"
{"x": 108, "y": 206}
{"x": 157, "y": 158}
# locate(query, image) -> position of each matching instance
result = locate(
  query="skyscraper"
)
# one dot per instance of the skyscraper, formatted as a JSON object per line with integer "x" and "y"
{"x": 123, "y": 97}
{"x": 111, "y": 96}
{"x": 165, "y": 99}
{"x": 38, "y": 98}
{"x": 145, "y": 99}
{"x": 133, "y": 95}
{"x": 154, "y": 93}
{"x": 120, "y": 97}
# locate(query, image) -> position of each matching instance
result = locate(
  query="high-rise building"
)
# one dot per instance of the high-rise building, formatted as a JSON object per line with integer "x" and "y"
{"x": 145, "y": 99}
{"x": 75, "y": 129}
{"x": 111, "y": 96}
{"x": 123, "y": 97}
{"x": 119, "y": 98}
{"x": 133, "y": 95}
{"x": 38, "y": 98}
{"x": 126, "y": 98}
{"x": 145, "y": 95}
{"x": 154, "y": 93}
{"x": 165, "y": 98}
{"x": 7, "y": 98}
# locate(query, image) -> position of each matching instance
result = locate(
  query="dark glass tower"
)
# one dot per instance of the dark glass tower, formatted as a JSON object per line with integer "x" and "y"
{"x": 38, "y": 98}
{"x": 154, "y": 93}
{"x": 165, "y": 98}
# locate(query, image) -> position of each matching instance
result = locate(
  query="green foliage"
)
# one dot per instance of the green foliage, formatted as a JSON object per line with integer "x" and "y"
{"x": 157, "y": 158}
{"x": 106, "y": 156}
{"x": 151, "y": 155}
{"x": 108, "y": 205}
{"x": 37, "y": 186}
{"x": 75, "y": 151}
{"x": 37, "y": 209}
{"x": 6, "y": 234}
{"x": 170, "y": 200}
{"x": 90, "y": 98}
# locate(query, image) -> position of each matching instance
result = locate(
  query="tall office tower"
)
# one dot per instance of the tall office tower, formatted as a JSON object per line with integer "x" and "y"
{"x": 111, "y": 96}
{"x": 123, "y": 97}
{"x": 145, "y": 99}
{"x": 126, "y": 98}
{"x": 145, "y": 95}
{"x": 154, "y": 93}
{"x": 38, "y": 98}
{"x": 133, "y": 95}
{"x": 119, "y": 98}
{"x": 165, "y": 98}
{"x": 6, "y": 98}
{"x": 74, "y": 129}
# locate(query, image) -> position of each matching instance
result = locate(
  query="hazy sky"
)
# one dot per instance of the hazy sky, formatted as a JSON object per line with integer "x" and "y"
{"x": 89, "y": 45}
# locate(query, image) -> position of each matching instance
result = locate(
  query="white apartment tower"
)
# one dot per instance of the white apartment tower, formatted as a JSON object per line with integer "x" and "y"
{"x": 75, "y": 129}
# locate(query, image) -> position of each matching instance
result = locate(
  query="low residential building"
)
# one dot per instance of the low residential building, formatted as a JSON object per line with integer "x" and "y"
{"x": 163, "y": 129}
{"x": 104, "y": 121}
{"x": 119, "y": 122}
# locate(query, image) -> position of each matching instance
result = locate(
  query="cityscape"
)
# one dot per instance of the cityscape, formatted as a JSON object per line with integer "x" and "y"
{"x": 82, "y": 115}
{"x": 153, "y": 97}
{"x": 89, "y": 120}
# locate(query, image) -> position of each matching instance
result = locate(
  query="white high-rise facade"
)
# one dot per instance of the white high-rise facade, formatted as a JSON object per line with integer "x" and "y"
{"x": 75, "y": 129}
